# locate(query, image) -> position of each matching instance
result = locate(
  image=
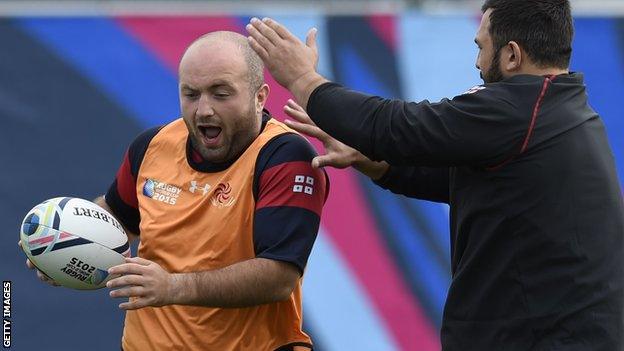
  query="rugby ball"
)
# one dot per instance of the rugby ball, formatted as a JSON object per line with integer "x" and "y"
{"x": 74, "y": 242}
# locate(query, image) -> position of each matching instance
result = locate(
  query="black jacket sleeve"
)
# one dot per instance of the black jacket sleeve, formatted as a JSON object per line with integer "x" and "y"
{"x": 480, "y": 128}
{"x": 424, "y": 183}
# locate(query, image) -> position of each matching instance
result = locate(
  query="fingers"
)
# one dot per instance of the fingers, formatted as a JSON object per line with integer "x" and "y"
{"x": 264, "y": 55}
{"x": 127, "y": 268}
{"x": 138, "y": 260}
{"x": 332, "y": 160}
{"x": 125, "y": 280}
{"x": 278, "y": 28}
{"x": 311, "y": 39}
{"x": 44, "y": 278}
{"x": 130, "y": 291}
{"x": 259, "y": 38}
{"x": 264, "y": 34}
{"x": 298, "y": 115}
{"x": 322, "y": 161}
{"x": 134, "y": 304}
{"x": 307, "y": 129}
{"x": 292, "y": 104}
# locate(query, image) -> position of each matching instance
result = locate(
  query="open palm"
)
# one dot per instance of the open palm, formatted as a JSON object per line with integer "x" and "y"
{"x": 336, "y": 155}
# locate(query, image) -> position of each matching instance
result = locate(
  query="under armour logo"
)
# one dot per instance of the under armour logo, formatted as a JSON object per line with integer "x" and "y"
{"x": 303, "y": 184}
{"x": 194, "y": 187}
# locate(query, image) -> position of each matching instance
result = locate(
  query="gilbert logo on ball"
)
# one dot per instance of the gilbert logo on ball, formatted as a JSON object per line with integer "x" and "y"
{"x": 74, "y": 242}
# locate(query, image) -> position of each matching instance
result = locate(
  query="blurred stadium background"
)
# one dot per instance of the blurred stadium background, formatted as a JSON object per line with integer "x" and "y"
{"x": 80, "y": 79}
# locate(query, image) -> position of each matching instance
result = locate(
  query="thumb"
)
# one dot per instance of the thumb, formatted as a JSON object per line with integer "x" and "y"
{"x": 311, "y": 39}
{"x": 326, "y": 160}
{"x": 317, "y": 162}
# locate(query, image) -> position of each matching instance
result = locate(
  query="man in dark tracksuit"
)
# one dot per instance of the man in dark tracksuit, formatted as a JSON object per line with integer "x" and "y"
{"x": 536, "y": 210}
{"x": 537, "y": 217}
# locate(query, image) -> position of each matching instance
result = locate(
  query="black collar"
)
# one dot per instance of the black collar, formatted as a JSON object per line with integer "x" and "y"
{"x": 572, "y": 77}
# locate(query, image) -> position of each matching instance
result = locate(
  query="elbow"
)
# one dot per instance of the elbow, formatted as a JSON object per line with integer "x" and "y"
{"x": 284, "y": 281}
{"x": 284, "y": 291}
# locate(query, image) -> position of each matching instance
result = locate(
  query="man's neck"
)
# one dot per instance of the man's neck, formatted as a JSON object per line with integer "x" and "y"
{"x": 536, "y": 71}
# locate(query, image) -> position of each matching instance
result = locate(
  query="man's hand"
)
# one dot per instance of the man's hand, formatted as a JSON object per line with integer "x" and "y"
{"x": 44, "y": 278}
{"x": 291, "y": 62}
{"x": 337, "y": 154}
{"x": 145, "y": 282}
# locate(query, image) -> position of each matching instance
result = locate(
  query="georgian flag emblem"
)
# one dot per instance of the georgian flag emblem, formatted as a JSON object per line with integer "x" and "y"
{"x": 303, "y": 184}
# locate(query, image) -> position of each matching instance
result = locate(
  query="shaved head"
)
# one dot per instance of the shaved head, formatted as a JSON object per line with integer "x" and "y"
{"x": 222, "y": 94}
{"x": 255, "y": 67}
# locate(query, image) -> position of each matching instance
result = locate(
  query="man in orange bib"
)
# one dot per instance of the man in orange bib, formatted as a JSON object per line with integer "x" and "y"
{"x": 227, "y": 208}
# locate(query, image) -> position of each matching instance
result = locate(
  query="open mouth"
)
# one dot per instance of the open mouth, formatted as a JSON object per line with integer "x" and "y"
{"x": 210, "y": 134}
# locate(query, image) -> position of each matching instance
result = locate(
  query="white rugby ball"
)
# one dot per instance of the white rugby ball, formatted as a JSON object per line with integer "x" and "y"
{"x": 74, "y": 242}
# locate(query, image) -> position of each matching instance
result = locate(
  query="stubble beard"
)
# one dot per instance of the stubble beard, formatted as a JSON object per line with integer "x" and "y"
{"x": 245, "y": 133}
{"x": 493, "y": 74}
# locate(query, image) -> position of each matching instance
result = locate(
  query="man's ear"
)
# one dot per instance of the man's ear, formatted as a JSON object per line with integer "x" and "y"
{"x": 261, "y": 97}
{"x": 511, "y": 57}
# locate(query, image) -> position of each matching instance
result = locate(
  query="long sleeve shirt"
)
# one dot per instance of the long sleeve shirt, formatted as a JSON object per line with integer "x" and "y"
{"x": 537, "y": 217}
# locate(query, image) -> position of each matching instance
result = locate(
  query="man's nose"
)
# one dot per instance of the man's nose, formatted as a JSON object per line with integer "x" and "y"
{"x": 204, "y": 107}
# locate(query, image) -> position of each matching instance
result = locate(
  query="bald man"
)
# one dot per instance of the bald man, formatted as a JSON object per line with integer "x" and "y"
{"x": 226, "y": 207}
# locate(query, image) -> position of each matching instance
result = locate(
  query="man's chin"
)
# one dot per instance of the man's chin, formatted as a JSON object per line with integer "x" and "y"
{"x": 214, "y": 155}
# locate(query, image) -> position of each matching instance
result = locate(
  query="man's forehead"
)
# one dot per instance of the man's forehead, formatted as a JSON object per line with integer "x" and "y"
{"x": 484, "y": 27}
{"x": 212, "y": 59}
{"x": 485, "y": 20}
{"x": 205, "y": 72}
{"x": 211, "y": 49}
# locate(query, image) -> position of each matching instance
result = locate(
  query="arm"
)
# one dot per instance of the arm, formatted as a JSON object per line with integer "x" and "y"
{"x": 477, "y": 129}
{"x": 418, "y": 182}
{"x": 253, "y": 282}
{"x": 424, "y": 183}
{"x": 248, "y": 283}
{"x": 481, "y": 129}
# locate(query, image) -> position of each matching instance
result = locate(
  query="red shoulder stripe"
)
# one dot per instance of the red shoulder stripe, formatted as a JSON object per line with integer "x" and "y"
{"x": 294, "y": 184}
{"x": 126, "y": 184}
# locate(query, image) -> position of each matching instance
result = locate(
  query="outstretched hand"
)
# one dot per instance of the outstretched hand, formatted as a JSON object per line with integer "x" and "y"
{"x": 336, "y": 155}
{"x": 291, "y": 62}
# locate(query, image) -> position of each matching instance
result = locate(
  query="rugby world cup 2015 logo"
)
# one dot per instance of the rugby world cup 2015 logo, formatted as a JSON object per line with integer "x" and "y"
{"x": 161, "y": 191}
{"x": 222, "y": 196}
{"x": 148, "y": 188}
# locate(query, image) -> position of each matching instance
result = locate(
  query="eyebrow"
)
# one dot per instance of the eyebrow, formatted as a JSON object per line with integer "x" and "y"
{"x": 216, "y": 84}
{"x": 220, "y": 82}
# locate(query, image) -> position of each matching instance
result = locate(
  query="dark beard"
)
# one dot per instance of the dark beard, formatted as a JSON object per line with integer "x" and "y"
{"x": 493, "y": 74}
